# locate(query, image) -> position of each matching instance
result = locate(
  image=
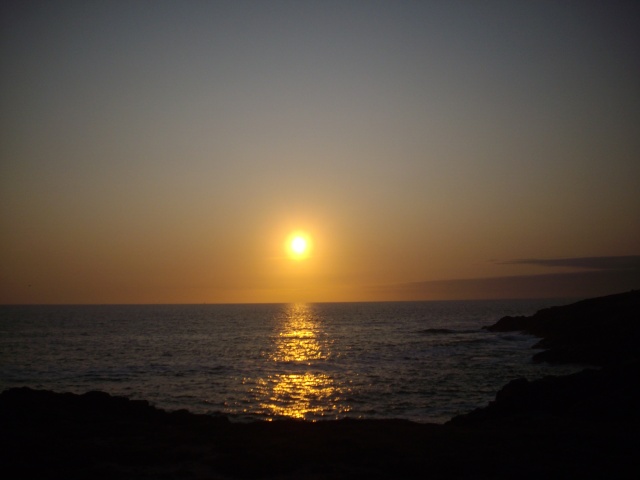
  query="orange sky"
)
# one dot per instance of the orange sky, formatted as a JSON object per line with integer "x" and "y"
{"x": 165, "y": 154}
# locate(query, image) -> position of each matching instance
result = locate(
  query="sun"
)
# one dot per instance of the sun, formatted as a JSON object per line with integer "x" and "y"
{"x": 298, "y": 245}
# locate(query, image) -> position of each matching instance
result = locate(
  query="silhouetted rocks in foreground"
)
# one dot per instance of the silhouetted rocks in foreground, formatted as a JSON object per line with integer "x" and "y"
{"x": 65, "y": 436}
{"x": 609, "y": 395}
{"x": 584, "y": 425}
{"x": 597, "y": 331}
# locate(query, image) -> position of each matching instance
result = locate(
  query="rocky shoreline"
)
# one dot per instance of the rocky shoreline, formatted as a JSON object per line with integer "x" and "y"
{"x": 597, "y": 331}
{"x": 582, "y": 425}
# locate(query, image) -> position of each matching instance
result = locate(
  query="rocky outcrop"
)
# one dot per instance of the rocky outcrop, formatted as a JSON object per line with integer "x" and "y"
{"x": 598, "y": 331}
{"x": 602, "y": 331}
{"x": 610, "y": 395}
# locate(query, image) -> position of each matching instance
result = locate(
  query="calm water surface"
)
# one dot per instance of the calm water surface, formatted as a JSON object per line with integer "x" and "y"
{"x": 423, "y": 361}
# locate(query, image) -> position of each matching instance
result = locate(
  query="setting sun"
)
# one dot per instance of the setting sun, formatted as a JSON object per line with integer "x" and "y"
{"x": 298, "y": 245}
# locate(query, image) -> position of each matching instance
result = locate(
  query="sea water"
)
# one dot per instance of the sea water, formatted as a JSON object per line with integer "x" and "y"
{"x": 421, "y": 361}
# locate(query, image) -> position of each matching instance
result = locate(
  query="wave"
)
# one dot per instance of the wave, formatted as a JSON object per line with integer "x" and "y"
{"x": 443, "y": 331}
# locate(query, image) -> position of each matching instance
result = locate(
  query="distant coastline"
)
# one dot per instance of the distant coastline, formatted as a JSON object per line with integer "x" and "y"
{"x": 575, "y": 285}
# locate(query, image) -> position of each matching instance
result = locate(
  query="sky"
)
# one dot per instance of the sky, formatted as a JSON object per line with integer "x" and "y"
{"x": 164, "y": 151}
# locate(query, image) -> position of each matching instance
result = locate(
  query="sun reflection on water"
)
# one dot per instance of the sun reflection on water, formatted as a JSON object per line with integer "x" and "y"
{"x": 298, "y": 387}
{"x": 299, "y": 340}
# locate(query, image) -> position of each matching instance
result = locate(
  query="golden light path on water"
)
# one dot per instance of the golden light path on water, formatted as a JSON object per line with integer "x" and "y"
{"x": 296, "y": 389}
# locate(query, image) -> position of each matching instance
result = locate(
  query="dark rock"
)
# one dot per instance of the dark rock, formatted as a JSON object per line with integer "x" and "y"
{"x": 608, "y": 395}
{"x": 600, "y": 331}
{"x": 597, "y": 331}
{"x": 65, "y": 436}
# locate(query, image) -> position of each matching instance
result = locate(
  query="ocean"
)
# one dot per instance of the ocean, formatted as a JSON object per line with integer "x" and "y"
{"x": 420, "y": 361}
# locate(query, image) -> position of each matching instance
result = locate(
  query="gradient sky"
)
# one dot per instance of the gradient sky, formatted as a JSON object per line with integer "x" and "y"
{"x": 162, "y": 151}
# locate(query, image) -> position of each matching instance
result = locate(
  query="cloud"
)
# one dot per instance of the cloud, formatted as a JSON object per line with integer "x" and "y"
{"x": 629, "y": 262}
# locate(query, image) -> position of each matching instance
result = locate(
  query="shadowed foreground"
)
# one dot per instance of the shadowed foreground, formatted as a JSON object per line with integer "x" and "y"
{"x": 583, "y": 425}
